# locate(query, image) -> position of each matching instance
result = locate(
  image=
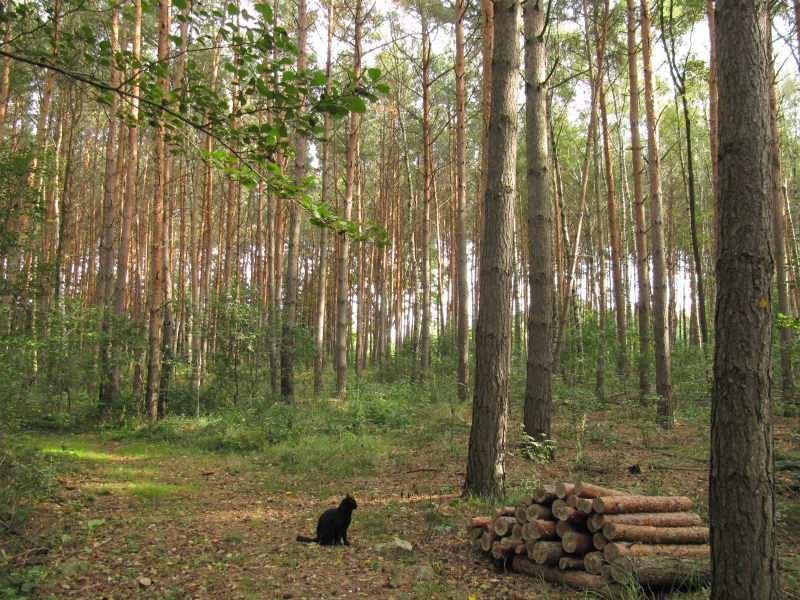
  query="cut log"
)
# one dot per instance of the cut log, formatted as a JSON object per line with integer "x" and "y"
{"x": 475, "y": 533}
{"x": 544, "y": 494}
{"x": 506, "y": 547}
{"x": 577, "y": 542}
{"x": 571, "y": 500}
{"x": 599, "y": 540}
{"x": 593, "y": 562}
{"x": 614, "y": 505}
{"x": 660, "y": 571}
{"x": 574, "y": 578}
{"x": 506, "y": 511}
{"x": 570, "y": 515}
{"x": 570, "y": 562}
{"x": 605, "y": 572}
{"x": 669, "y": 519}
{"x": 588, "y": 490}
{"x": 616, "y": 549}
{"x": 480, "y": 521}
{"x": 488, "y": 538}
{"x": 547, "y": 553}
{"x": 539, "y": 511}
{"x": 564, "y": 489}
{"x": 540, "y": 530}
{"x": 584, "y": 505}
{"x": 503, "y": 524}
{"x": 521, "y": 513}
{"x": 656, "y": 535}
{"x": 563, "y": 527}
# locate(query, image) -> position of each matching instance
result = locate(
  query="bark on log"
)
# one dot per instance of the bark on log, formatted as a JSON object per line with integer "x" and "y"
{"x": 593, "y": 562}
{"x": 540, "y": 530}
{"x": 616, "y": 549}
{"x": 539, "y": 511}
{"x": 503, "y": 524}
{"x": 574, "y": 578}
{"x": 547, "y": 553}
{"x": 506, "y": 547}
{"x": 660, "y": 571}
{"x": 614, "y": 505}
{"x": 577, "y": 542}
{"x": 656, "y": 535}
{"x": 570, "y": 562}
{"x": 570, "y": 515}
{"x": 676, "y": 519}
{"x": 544, "y": 494}
{"x": 506, "y": 511}
{"x": 599, "y": 540}
{"x": 588, "y": 490}
{"x": 480, "y": 521}
{"x": 564, "y": 489}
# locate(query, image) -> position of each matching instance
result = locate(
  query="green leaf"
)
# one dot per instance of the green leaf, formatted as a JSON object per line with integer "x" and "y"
{"x": 179, "y": 4}
{"x": 374, "y": 73}
{"x": 265, "y": 10}
{"x": 355, "y": 104}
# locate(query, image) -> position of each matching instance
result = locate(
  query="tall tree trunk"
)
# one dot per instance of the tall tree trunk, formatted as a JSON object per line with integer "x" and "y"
{"x": 462, "y": 274}
{"x": 486, "y": 456}
{"x": 713, "y": 122}
{"x": 156, "y": 282}
{"x": 538, "y": 409}
{"x": 291, "y": 289}
{"x": 5, "y": 78}
{"x": 742, "y": 471}
{"x": 665, "y": 409}
{"x": 642, "y": 271}
{"x": 779, "y": 240}
{"x": 343, "y": 280}
{"x": 322, "y": 252}
{"x": 427, "y": 194}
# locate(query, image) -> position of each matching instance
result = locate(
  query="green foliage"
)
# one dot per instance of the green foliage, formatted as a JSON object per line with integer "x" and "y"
{"x": 535, "y": 450}
{"x": 19, "y": 585}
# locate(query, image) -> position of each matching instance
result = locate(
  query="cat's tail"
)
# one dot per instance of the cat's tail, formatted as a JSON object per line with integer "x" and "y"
{"x": 301, "y": 538}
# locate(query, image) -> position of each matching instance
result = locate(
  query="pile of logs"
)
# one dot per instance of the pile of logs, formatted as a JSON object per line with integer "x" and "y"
{"x": 587, "y": 536}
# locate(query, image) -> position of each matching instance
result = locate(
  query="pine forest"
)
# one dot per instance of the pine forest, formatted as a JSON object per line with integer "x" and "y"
{"x": 435, "y": 254}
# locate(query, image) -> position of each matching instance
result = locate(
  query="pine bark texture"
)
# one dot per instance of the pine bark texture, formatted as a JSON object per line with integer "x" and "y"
{"x": 485, "y": 461}
{"x": 741, "y": 498}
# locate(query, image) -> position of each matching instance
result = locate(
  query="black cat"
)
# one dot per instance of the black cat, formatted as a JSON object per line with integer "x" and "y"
{"x": 333, "y": 523}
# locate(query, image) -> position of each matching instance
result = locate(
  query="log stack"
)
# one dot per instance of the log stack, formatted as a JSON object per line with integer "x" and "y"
{"x": 587, "y": 536}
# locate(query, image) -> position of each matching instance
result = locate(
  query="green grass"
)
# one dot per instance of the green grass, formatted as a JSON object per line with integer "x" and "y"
{"x": 151, "y": 490}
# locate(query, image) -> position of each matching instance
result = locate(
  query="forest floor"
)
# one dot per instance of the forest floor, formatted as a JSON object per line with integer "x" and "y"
{"x": 152, "y": 520}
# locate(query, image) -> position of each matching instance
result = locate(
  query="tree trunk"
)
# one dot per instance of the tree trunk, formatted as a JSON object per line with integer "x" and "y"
{"x": 462, "y": 274}
{"x": 291, "y": 288}
{"x": 157, "y": 241}
{"x": 661, "y": 571}
{"x": 486, "y": 455}
{"x": 538, "y": 389}
{"x": 427, "y": 194}
{"x": 742, "y": 478}
{"x": 665, "y": 409}
{"x": 343, "y": 281}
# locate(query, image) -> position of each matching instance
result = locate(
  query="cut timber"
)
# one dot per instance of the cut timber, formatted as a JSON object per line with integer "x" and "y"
{"x": 480, "y": 521}
{"x": 584, "y": 505}
{"x": 574, "y": 578}
{"x": 488, "y": 538}
{"x": 571, "y": 500}
{"x": 605, "y": 572}
{"x": 563, "y": 527}
{"x": 614, "y": 505}
{"x": 539, "y": 511}
{"x": 570, "y": 515}
{"x": 593, "y": 562}
{"x": 616, "y": 549}
{"x": 564, "y": 489}
{"x": 506, "y": 511}
{"x": 662, "y": 570}
{"x": 505, "y": 548}
{"x": 540, "y": 530}
{"x": 474, "y": 533}
{"x": 570, "y": 562}
{"x": 656, "y": 535}
{"x": 521, "y": 513}
{"x": 677, "y": 519}
{"x": 547, "y": 553}
{"x": 503, "y": 524}
{"x": 516, "y": 531}
{"x": 544, "y": 494}
{"x": 577, "y": 542}
{"x": 599, "y": 540}
{"x": 588, "y": 490}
